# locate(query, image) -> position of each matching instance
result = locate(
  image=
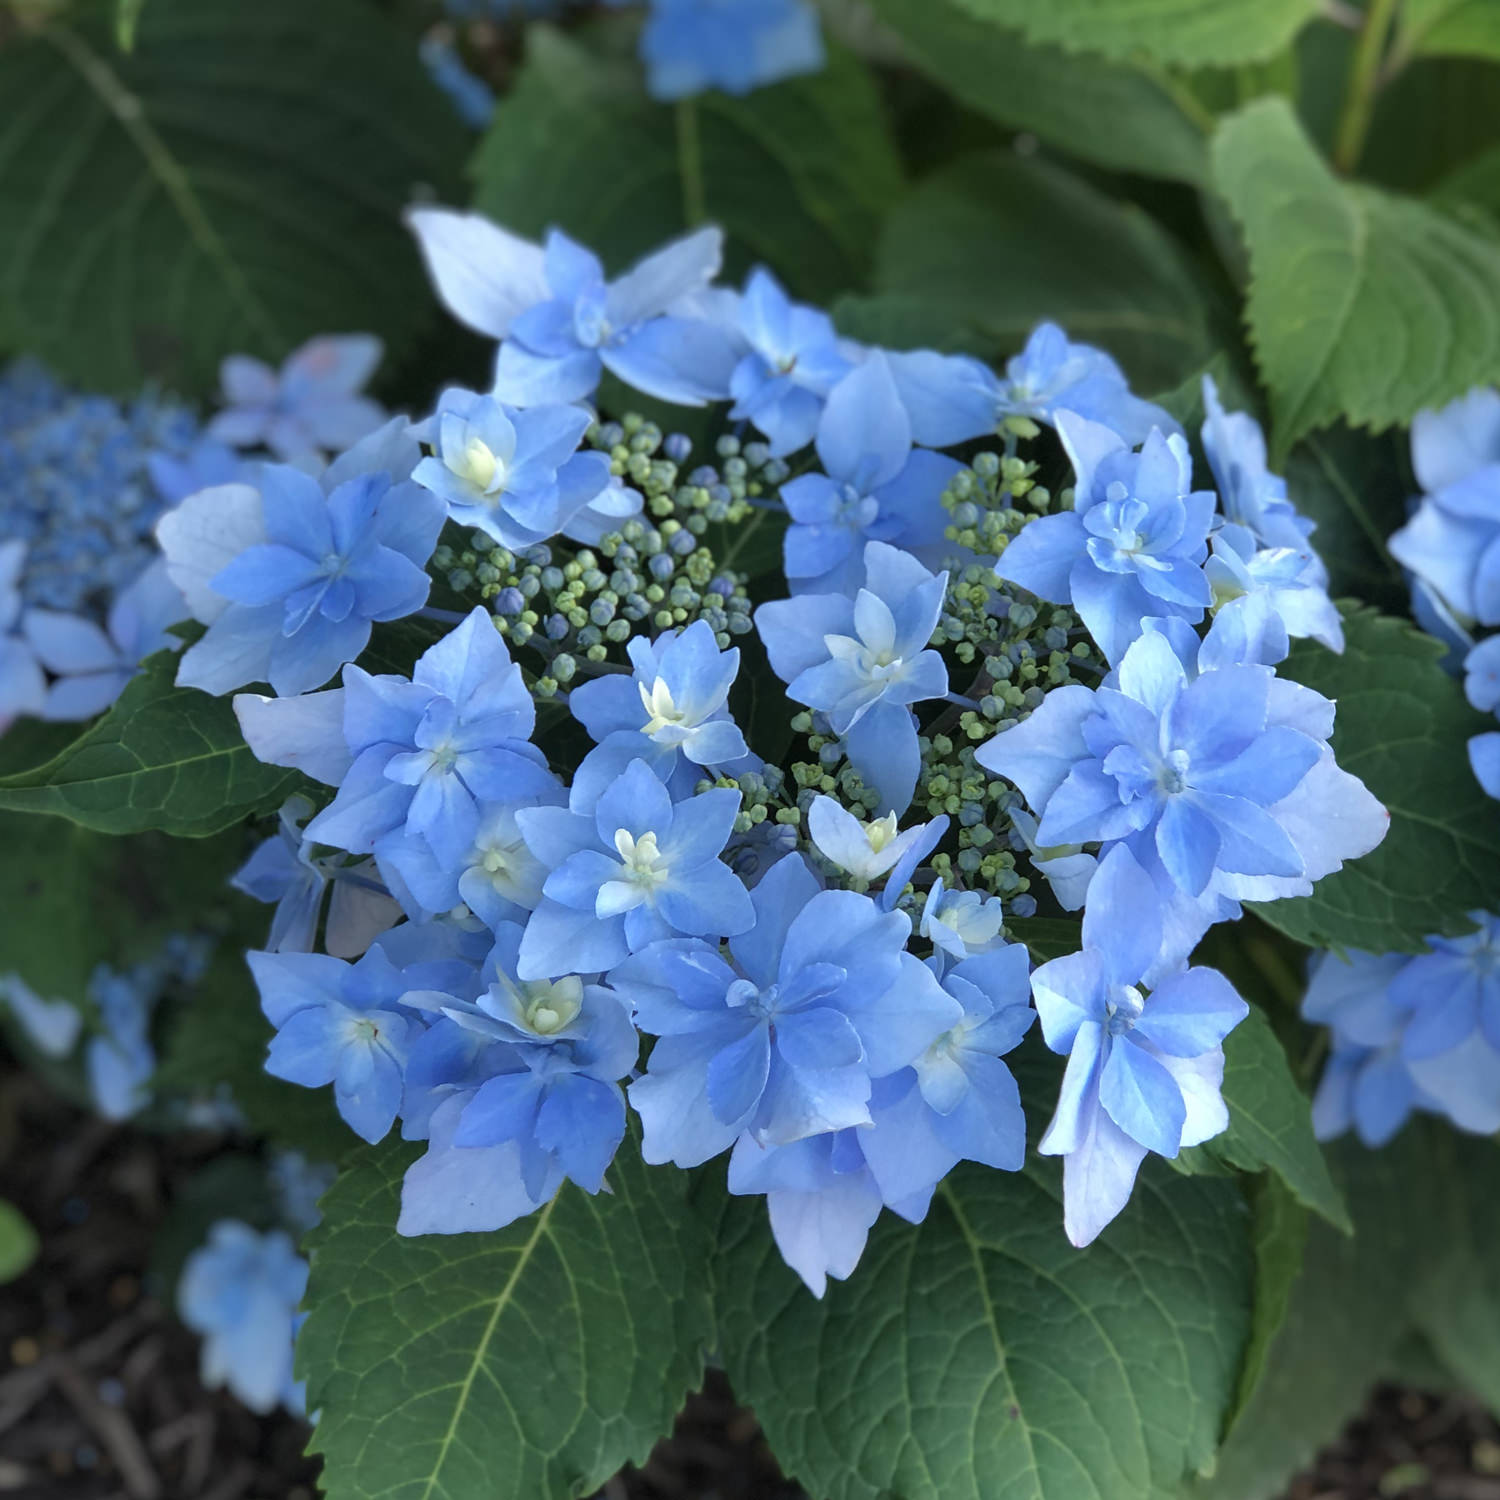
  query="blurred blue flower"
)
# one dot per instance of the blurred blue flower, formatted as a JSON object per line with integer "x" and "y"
{"x": 689, "y": 46}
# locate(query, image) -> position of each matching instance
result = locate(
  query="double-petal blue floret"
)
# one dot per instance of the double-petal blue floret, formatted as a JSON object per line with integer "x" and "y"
{"x": 863, "y": 662}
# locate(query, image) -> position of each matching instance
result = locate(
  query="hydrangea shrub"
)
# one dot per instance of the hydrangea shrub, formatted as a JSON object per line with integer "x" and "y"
{"x": 804, "y": 772}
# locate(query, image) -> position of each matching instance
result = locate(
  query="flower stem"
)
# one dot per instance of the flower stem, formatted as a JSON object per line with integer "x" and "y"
{"x": 1364, "y": 81}
{"x": 690, "y": 163}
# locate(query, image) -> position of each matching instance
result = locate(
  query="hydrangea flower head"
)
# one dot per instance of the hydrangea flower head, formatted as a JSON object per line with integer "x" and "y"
{"x": 864, "y": 661}
{"x": 1134, "y": 543}
{"x": 875, "y": 487}
{"x": 636, "y": 869}
{"x": 514, "y": 474}
{"x": 1143, "y": 1069}
{"x": 23, "y": 683}
{"x": 240, "y": 1291}
{"x": 689, "y": 46}
{"x": 310, "y": 406}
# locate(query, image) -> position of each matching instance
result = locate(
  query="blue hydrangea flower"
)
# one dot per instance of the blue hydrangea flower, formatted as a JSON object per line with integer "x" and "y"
{"x": 1134, "y": 543}
{"x": 470, "y": 95}
{"x": 689, "y": 46}
{"x": 555, "y": 1090}
{"x": 672, "y": 712}
{"x": 863, "y": 661}
{"x": 1249, "y": 494}
{"x": 563, "y": 325}
{"x": 957, "y": 1102}
{"x": 240, "y": 1290}
{"x": 498, "y": 880}
{"x": 868, "y": 850}
{"x": 289, "y": 577}
{"x": 1144, "y": 1070}
{"x": 782, "y": 1039}
{"x": 1270, "y": 595}
{"x": 119, "y": 1057}
{"x": 312, "y": 405}
{"x": 515, "y": 475}
{"x": 952, "y": 398}
{"x": 23, "y": 683}
{"x": 1220, "y": 780}
{"x": 297, "y": 1184}
{"x": 285, "y": 872}
{"x": 636, "y": 869}
{"x": 1482, "y": 687}
{"x": 176, "y": 475}
{"x": 342, "y": 1024}
{"x": 875, "y": 487}
{"x": 1452, "y": 541}
{"x": 426, "y": 753}
{"x": 961, "y": 924}
{"x": 52, "y": 1026}
{"x": 1375, "y": 1076}
{"x": 793, "y": 359}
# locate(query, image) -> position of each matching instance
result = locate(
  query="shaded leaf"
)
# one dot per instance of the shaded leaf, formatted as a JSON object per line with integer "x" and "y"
{"x": 1452, "y": 27}
{"x": 1403, "y": 725}
{"x": 1362, "y": 305}
{"x": 18, "y": 1242}
{"x": 531, "y": 1362}
{"x": 233, "y": 182}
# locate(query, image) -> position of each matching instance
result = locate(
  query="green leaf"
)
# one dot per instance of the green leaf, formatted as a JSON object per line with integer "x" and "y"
{"x": 163, "y": 757}
{"x": 1351, "y": 484}
{"x": 127, "y": 20}
{"x": 1450, "y": 27}
{"x": 18, "y": 1242}
{"x": 1362, "y": 305}
{"x": 71, "y": 899}
{"x": 1270, "y": 1120}
{"x": 1279, "y": 1236}
{"x": 1346, "y": 1315}
{"x": 1047, "y": 937}
{"x": 984, "y": 250}
{"x": 978, "y": 1354}
{"x": 1155, "y": 125}
{"x": 1472, "y": 191}
{"x": 532, "y": 1362}
{"x": 799, "y": 174}
{"x": 1456, "y": 1299}
{"x": 1195, "y": 33}
{"x": 1403, "y": 726}
{"x": 233, "y": 183}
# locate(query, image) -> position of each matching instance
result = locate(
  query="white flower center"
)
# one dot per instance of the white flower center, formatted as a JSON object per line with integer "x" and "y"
{"x": 478, "y": 464}
{"x": 643, "y": 861}
{"x": 550, "y": 1005}
{"x": 661, "y": 711}
{"x": 880, "y": 832}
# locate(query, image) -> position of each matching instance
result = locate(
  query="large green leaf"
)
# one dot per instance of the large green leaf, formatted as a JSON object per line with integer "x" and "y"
{"x": 18, "y": 1242}
{"x": 1192, "y": 32}
{"x": 1351, "y": 484}
{"x": 1453, "y": 27}
{"x": 979, "y": 1355}
{"x": 528, "y": 1363}
{"x": 1279, "y": 1235}
{"x": 1362, "y": 305}
{"x": 1155, "y": 125}
{"x": 1403, "y": 726}
{"x": 1270, "y": 1121}
{"x": 71, "y": 899}
{"x": 981, "y": 252}
{"x": 1346, "y": 1315}
{"x": 163, "y": 757}
{"x": 798, "y": 174}
{"x": 1472, "y": 191}
{"x": 234, "y": 182}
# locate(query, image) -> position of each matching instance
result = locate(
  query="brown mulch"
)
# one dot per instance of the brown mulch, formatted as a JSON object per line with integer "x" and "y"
{"x": 100, "y": 1399}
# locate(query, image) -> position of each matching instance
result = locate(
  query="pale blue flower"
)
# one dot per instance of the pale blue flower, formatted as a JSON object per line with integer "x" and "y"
{"x": 1249, "y": 494}
{"x": 1134, "y": 543}
{"x": 635, "y": 869}
{"x": 515, "y": 475}
{"x": 342, "y": 1024}
{"x": 868, "y": 850}
{"x": 240, "y": 1290}
{"x": 952, "y": 398}
{"x": 1144, "y": 1070}
{"x": 689, "y": 46}
{"x": 863, "y": 661}
{"x": 875, "y": 487}
{"x": 426, "y": 753}
{"x": 1270, "y": 595}
{"x": 310, "y": 406}
{"x": 52, "y": 1026}
{"x": 793, "y": 359}
{"x": 962, "y": 924}
{"x": 782, "y": 1038}
{"x": 23, "y": 683}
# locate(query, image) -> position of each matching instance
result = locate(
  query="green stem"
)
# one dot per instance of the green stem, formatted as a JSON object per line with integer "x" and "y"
{"x": 1364, "y": 80}
{"x": 690, "y": 163}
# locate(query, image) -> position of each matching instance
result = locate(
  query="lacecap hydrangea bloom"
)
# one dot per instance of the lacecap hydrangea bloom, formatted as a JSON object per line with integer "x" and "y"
{"x": 617, "y": 841}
